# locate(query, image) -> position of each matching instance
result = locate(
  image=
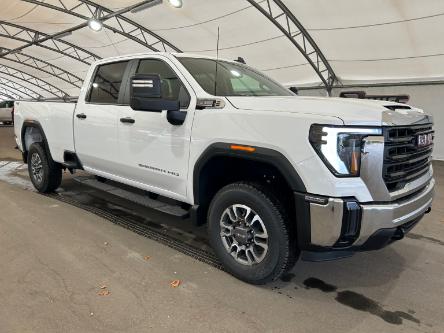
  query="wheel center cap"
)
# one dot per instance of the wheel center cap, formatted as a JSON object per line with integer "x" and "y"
{"x": 241, "y": 235}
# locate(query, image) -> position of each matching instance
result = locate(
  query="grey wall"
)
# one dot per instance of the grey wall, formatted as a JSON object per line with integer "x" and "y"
{"x": 427, "y": 97}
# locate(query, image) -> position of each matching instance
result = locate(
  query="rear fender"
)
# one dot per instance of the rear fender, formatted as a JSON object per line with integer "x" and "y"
{"x": 33, "y": 132}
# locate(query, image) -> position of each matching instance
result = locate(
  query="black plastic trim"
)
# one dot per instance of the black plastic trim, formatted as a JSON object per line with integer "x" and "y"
{"x": 35, "y": 124}
{"x": 351, "y": 223}
{"x": 72, "y": 161}
{"x": 303, "y": 220}
{"x": 325, "y": 256}
{"x": 264, "y": 155}
{"x": 197, "y": 215}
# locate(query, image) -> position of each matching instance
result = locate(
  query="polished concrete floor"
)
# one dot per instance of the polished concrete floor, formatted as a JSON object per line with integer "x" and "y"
{"x": 63, "y": 269}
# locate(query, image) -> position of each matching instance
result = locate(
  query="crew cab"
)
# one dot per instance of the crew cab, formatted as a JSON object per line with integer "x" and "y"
{"x": 6, "y": 112}
{"x": 274, "y": 175}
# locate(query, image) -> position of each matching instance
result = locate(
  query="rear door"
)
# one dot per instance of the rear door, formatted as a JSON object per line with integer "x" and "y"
{"x": 154, "y": 153}
{"x": 96, "y": 118}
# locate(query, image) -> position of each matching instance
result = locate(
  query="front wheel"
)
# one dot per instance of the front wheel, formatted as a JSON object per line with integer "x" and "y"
{"x": 46, "y": 175}
{"x": 248, "y": 231}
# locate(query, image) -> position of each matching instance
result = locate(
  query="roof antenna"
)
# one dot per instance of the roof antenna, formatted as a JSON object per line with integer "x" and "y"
{"x": 217, "y": 61}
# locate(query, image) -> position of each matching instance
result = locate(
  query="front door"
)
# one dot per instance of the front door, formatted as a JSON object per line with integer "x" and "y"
{"x": 152, "y": 152}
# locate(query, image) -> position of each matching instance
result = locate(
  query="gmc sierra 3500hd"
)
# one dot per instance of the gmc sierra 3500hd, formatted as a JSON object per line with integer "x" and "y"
{"x": 273, "y": 174}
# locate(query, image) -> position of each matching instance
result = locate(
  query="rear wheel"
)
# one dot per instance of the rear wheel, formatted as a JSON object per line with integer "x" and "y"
{"x": 248, "y": 231}
{"x": 46, "y": 175}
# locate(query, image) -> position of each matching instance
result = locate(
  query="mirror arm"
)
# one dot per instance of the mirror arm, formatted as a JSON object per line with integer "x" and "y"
{"x": 176, "y": 118}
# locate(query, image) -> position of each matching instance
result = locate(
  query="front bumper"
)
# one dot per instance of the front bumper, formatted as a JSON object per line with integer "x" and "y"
{"x": 343, "y": 225}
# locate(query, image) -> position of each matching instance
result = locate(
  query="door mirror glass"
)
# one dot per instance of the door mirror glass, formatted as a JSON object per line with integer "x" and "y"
{"x": 146, "y": 94}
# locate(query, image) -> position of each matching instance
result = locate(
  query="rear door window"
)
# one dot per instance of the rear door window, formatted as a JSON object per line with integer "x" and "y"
{"x": 107, "y": 82}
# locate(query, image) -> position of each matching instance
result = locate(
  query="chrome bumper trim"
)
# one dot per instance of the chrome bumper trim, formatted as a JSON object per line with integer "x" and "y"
{"x": 391, "y": 215}
{"x": 326, "y": 219}
{"x": 326, "y": 222}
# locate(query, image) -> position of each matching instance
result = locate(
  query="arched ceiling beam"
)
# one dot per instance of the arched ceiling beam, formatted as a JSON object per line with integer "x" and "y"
{"x": 55, "y": 40}
{"x": 8, "y": 92}
{"x": 118, "y": 24}
{"x": 4, "y": 94}
{"x": 19, "y": 89}
{"x": 30, "y": 79}
{"x": 51, "y": 42}
{"x": 43, "y": 66}
{"x": 289, "y": 25}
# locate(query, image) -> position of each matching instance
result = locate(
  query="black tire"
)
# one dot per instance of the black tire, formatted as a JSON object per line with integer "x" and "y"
{"x": 50, "y": 177}
{"x": 281, "y": 254}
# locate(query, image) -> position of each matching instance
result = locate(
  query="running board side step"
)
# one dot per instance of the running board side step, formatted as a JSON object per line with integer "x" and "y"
{"x": 325, "y": 256}
{"x": 140, "y": 199}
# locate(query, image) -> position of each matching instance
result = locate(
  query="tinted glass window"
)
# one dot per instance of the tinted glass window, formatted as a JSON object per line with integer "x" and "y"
{"x": 233, "y": 79}
{"x": 172, "y": 87}
{"x": 107, "y": 83}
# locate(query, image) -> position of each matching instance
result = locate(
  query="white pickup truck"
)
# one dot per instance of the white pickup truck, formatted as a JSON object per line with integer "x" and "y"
{"x": 274, "y": 175}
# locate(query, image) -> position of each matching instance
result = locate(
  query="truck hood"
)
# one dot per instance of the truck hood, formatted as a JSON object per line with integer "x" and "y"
{"x": 350, "y": 111}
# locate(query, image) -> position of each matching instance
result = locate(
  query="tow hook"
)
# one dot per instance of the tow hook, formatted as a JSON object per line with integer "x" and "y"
{"x": 399, "y": 234}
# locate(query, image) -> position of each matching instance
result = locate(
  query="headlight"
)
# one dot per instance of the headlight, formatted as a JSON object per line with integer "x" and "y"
{"x": 340, "y": 147}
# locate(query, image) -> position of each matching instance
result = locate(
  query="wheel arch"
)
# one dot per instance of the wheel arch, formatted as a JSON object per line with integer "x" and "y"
{"x": 28, "y": 137}
{"x": 213, "y": 162}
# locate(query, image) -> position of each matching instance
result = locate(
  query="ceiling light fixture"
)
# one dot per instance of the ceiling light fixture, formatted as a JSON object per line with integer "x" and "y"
{"x": 176, "y": 3}
{"x": 95, "y": 24}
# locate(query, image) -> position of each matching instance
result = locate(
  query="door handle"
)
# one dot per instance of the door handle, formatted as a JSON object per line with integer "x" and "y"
{"x": 127, "y": 120}
{"x": 81, "y": 116}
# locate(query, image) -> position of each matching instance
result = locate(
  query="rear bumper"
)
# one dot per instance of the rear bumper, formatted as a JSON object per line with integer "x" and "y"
{"x": 342, "y": 225}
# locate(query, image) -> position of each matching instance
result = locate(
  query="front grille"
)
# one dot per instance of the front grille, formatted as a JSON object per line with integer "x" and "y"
{"x": 404, "y": 160}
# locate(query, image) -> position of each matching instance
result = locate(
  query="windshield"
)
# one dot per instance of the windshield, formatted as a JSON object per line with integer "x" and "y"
{"x": 232, "y": 79}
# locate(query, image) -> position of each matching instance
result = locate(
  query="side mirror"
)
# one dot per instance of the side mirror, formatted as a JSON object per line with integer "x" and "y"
{"x": 146, "y": 94}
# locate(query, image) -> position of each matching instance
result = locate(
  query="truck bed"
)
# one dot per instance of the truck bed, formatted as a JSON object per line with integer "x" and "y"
{"x": 56, "y": 120}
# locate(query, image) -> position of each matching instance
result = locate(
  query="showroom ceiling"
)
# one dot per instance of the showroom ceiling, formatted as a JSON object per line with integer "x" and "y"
{"x": 46, "y": 46}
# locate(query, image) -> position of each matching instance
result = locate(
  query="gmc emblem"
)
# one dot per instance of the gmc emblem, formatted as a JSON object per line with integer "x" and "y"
{"x": 424, "y": 140}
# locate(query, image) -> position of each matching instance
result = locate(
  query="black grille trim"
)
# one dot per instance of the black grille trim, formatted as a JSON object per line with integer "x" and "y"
{"x": 404, "y": 161}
